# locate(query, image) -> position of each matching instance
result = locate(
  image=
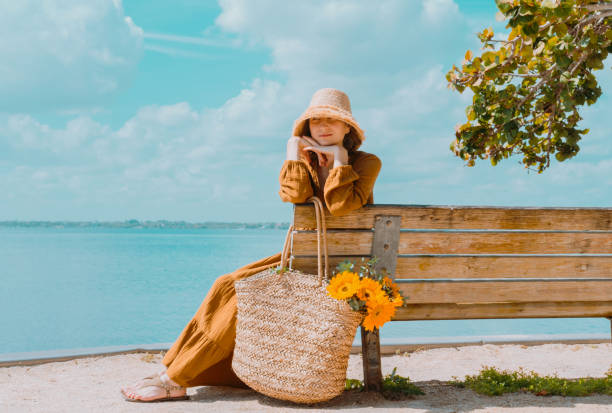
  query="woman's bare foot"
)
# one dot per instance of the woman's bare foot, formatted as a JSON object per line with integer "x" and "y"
{"x": 156, "y": 388}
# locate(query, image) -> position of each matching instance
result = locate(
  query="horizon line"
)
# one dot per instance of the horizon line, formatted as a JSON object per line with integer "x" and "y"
{"x": 131, "y": 223}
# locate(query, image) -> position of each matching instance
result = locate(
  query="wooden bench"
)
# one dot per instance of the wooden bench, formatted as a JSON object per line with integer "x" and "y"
{"x": 460, "y": 262}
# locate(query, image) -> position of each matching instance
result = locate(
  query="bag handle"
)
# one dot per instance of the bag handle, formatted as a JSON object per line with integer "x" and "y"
{"x": 321, "y": 232}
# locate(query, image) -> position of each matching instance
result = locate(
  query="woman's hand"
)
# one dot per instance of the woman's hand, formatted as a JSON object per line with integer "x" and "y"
{"x": 329, "y": 156}
{"x": 296, "y": 145}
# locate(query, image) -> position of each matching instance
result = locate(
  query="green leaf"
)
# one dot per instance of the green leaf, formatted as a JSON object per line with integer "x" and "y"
{"x": 345, "y": 265}
{"x": 531, "y": 29}
{"x": 504, "y": 7}
{"x": 562, "y": 60}
{"x": 524, "y": 18}
{"x": 511, "y": 128}
{"x": 594, "y": 62}
{"x": 353, "y": 384}
{"x": 564, "y": 10}
{"x": 560, "y": 29}
{"x": 469, "y": 111}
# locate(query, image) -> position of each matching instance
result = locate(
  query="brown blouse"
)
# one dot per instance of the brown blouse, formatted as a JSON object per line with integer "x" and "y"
{"x": 348, "y": 187}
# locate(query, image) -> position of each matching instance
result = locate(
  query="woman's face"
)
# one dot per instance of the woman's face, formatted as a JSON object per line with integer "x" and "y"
{"x": 328, "y": 131}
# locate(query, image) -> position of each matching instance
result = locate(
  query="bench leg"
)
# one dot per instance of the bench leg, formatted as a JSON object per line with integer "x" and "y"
{"x": 370, "y": 350}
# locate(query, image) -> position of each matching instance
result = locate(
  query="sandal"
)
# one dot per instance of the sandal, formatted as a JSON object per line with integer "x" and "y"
{"x": 155, "y": 380}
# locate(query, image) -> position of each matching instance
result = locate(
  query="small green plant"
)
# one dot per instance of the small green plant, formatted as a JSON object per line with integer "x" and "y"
{"x": 353, "y": 384}
{"x": 280, "y": 269}
{"x": 493, "y": 382}
{"x": 393, "y": 386}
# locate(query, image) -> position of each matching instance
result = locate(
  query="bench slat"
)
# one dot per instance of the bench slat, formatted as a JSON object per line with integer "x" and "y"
{"x": 350, "y": 242}
{"x": 523, "y": 291}
{"x": 503, "y": 310}
{"x": 465, "y": 217}
{"x": 484, "y": 267}
{"x": 492, "y": 267}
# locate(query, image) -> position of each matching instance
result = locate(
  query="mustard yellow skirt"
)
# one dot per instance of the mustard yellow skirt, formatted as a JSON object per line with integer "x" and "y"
{"x": 202, "y": 354}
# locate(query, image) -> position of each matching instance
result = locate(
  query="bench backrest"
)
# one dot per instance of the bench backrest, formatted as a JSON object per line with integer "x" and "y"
{"x": 458, "y": 262}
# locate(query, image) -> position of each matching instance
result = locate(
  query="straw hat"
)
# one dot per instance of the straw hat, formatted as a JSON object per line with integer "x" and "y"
{"x": 331, "y": 103}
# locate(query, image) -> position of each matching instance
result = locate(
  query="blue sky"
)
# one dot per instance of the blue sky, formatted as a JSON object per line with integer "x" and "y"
{"x": 181, "y": 109}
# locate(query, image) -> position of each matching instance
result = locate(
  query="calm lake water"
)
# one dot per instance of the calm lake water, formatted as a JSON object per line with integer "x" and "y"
{"x": 68, "y": 288}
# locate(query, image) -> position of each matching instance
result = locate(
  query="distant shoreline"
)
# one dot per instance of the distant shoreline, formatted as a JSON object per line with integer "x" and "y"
{"x": 136, "y": 224}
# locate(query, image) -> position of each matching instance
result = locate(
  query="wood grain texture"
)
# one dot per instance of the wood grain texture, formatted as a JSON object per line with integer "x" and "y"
{"x": 385, "y": 243}
{"x": 504, "y": 267}
{"x": 465, "y": 217}
{"x": 516, "y": 292}
{"x": 360, "y": 242}
{"x": 484, "y": 267}
{"x": 309, "y": 264}
{"x": 372, "y": 366}
{"x": 473, "y": 300}
{"x": 453, "y": 311}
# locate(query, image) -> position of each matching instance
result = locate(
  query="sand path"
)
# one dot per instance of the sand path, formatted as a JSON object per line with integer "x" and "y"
{"x": 92, "y": 384}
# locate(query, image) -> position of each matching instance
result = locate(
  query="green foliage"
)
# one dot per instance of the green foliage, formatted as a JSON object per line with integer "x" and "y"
{"x": 493, "y": 382}
{"x": 366, "y": 269}
{"x": 353, "y": 384}
{"x": 528, "y": 88}
{"x": 394, "y": 386}
{"x": 279, "y": 270}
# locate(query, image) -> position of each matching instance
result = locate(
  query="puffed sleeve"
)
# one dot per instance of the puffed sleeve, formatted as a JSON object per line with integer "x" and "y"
{"x": 348, "y": 186}
{"x": 295, "y": 183}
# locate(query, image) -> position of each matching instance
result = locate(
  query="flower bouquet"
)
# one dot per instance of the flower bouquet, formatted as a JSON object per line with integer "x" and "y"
{"x": 373, "y": 294}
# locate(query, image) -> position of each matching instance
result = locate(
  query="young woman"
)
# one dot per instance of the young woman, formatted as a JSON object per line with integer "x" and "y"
{"x": 322, "y": 160}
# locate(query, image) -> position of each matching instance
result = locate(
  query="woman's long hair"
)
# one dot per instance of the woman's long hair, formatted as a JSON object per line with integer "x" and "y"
{"x": 350, "y": 142}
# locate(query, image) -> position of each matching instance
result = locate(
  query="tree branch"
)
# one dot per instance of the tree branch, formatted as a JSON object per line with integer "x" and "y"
{"x": 536, "y": 86}
{"x": 578, "y": 63}
{"x": 594, "y": 17}
{"x": 598, "y": 7}
{"x": 523, "y": 74}
{"x": 551, "y": 118}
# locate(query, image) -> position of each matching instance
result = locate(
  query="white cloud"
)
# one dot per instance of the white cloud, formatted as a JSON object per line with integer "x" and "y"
{"x": 170, "y": 155}
{"x": 23, "y": 131}
{"x": 439, "y": 11}
{"x": 172, "y": 51}
{"x": 65, "y": 54}
{"x": 196, "y": 40}
{"x": 183, "y": 162}
{"x": 335, "y": 38}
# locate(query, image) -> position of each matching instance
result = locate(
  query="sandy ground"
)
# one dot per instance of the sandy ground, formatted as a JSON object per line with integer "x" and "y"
{"x": 92, "y": 384}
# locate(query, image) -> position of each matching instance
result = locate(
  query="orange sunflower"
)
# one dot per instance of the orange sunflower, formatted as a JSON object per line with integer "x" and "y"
{"x": 388, "y": 282}
{"x": 380, "y": 310}
{"x": 369, "y": 289}
{"x": 344, "y": 285}
{"x": 397, "y": 300}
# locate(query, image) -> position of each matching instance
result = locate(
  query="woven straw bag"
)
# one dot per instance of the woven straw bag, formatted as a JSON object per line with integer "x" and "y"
{"x": 292, "y": 339}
